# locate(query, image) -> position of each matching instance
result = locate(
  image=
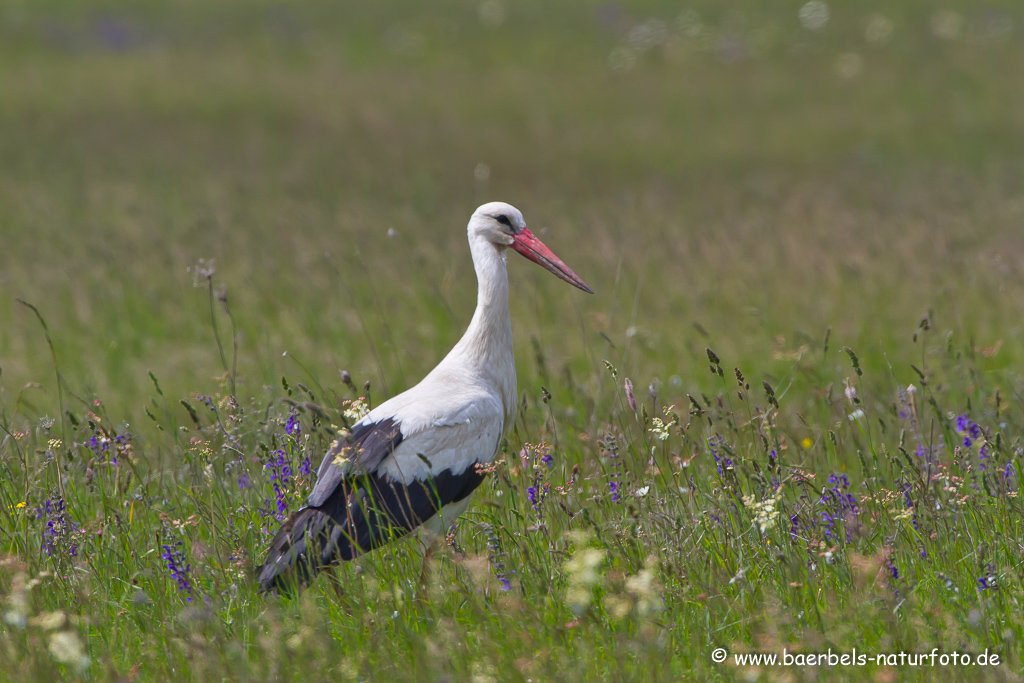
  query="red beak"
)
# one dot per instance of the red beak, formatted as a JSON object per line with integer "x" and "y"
{"x": 532, "y": 248}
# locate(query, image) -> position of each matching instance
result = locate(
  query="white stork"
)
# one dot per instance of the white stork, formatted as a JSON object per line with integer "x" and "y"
{"x": 412, "y": 461}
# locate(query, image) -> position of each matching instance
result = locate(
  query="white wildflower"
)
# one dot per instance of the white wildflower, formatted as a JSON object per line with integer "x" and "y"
{"x": 19, "y": 601}
{"x": 646, "y": 589}
{"x": 583, "y": 576}
{"x": 659, "y": 429}
{"x": 765, "y": 514}
{"x": 49, "y": 621}
{"x": 67, "y": 648}
{"x": 355, "y": 409}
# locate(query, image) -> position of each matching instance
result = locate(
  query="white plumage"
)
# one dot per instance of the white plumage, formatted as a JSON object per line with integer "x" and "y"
{"x": 416, "y": 454}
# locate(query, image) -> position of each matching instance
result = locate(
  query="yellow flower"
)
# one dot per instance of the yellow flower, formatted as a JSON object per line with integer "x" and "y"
{"x": 807, "y": 443}
{"x": 16, "y": 507}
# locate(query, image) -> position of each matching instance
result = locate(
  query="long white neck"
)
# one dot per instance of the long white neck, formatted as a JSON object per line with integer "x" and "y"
{"x": 485, "y": 350}
{"x": 490, "y": 331}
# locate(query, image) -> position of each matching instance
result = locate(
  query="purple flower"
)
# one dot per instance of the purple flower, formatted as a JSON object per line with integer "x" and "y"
{"x": 840, "y": 507}
{"x": 180, "y": 570}
{"x": 59, "y": 529}
{"x": 292, "y": 427}
{"x": 243, "y": 481}
{"x": 279, "y": 470}
{"x": 1006, "y": 474}
{"x": 987, "y": 583}
{"x": 970, "y": 430}
{"x": 496, "y": 556}
{"x": 547, "y": 460}
{"x": 305, "y": 467}
{"x": 613, "y": 486}
{"x": 536, "y": 494}
{"x": 890, "y": 565}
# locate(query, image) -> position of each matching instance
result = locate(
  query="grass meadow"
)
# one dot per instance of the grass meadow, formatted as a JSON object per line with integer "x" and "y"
{"x": 789, "y": 418}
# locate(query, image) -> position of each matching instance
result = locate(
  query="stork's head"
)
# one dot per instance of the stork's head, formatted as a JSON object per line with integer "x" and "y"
{"x": 503, "y": 225}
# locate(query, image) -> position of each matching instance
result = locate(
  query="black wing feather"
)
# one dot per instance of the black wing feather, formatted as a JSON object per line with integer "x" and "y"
{"x": 349, "y": 514}
{"x": 366, "y": 448}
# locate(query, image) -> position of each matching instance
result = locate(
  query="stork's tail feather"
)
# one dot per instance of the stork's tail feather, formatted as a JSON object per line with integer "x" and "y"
{"x": 300, "y": 549}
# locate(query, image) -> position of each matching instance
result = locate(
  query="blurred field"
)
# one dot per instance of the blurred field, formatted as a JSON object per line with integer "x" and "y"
{"x": 730, "y": 175}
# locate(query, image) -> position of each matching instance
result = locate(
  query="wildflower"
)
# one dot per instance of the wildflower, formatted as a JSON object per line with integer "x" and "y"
{"x": 280, "y": 474}
{"x": 50, "y": 621}
{"x": 765, "y": 514}
{"x": 890, "y": 565}
{"x": 646, "y": 588}
{"x": 67, "y": 648}
{"x": 243, "y": 481}
{"x": 987, "y": 583}
{"x": 794, "y": 526}
{"x": 609, "y": 446}
{"x": 292, "y": 427}
{"x": 659, "y": 429}
{"x": 58, "y": 530}
{"x": 305, "y": 467}
{"x": 180, "y": 570}
{"x": 19, "y": 601}
{"x": 983, "y": 455}
{"x": 628, "y": 385}
{"x": 722, "y": 464}
{"x": 496, "y": 557}
{"x": 970, "y": 430}
{"x": 642, "y": 491}
{"x": 583, "y": 577}
{"x": 1005, "y": 474}
{"x": 202, "y": 271}
{"x": 840, "y": 506}
{"x": 355, "y": 409}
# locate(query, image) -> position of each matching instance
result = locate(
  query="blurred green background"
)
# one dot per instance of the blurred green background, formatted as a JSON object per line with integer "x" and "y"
{"x": 739, "y": 175}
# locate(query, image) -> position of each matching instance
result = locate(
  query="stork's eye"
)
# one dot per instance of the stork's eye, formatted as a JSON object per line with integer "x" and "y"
{"x": 504, "y": 220}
